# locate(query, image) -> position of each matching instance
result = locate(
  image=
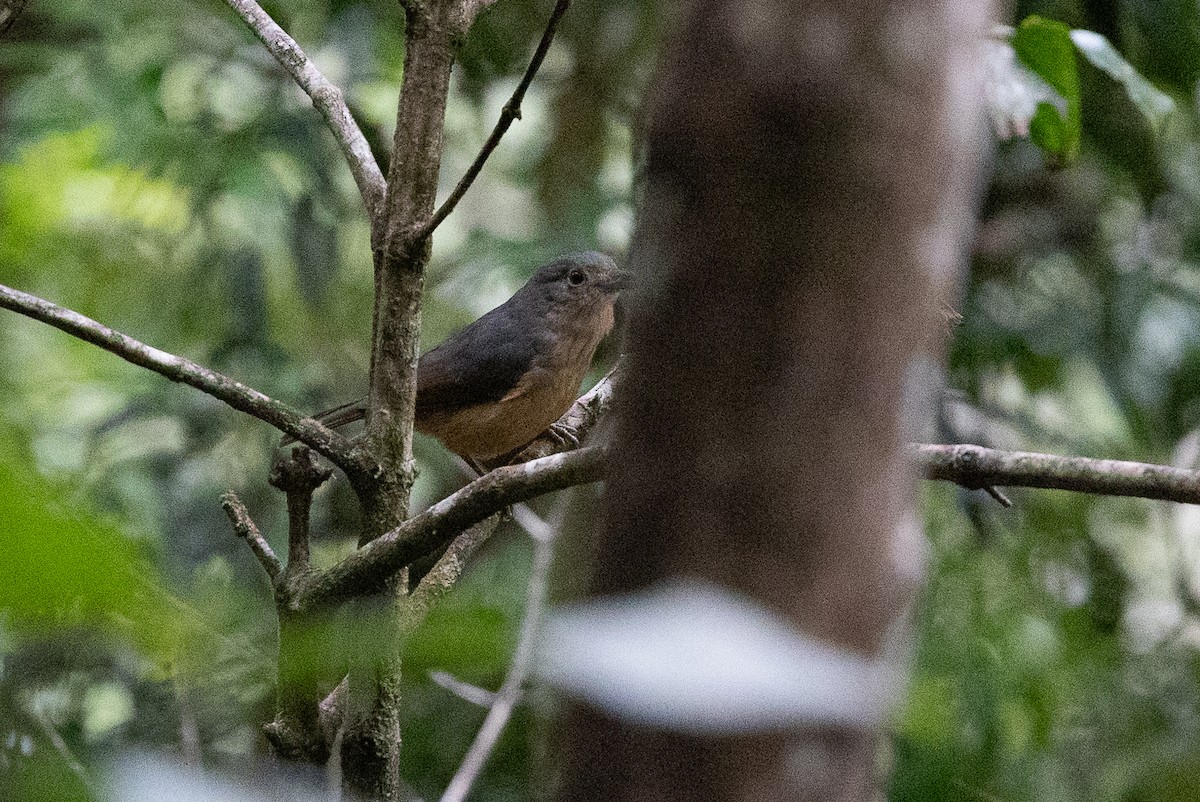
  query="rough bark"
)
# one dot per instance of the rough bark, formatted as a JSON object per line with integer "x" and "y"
{"x": 808, "y": 178}
{"x": 370, "y": 753}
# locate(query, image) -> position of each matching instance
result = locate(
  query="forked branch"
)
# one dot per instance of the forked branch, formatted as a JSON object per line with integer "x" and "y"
{"x": 366, "y": 569}
{"x": 298, "y": 476}
{"x": 511, "y": 111}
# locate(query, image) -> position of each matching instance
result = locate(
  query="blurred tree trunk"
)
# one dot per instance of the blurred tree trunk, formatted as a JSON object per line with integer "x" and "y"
{"x": 808, "y": 187}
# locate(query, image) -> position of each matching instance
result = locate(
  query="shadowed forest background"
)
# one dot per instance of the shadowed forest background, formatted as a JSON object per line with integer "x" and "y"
{"x": 160, "y": 173}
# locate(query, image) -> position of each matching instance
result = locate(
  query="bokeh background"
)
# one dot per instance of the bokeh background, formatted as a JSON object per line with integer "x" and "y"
{"x": 160, "y": 173}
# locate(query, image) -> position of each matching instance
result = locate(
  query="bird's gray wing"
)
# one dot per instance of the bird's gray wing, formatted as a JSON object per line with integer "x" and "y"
{"x": 479, "y": 364}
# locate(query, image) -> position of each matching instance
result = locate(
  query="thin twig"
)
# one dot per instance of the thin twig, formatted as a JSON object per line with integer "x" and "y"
{"x": 247, "y": 530}
{"x": 510, "y": 112}
{"x": 60, "y": 746}
{"x": 481, "y": 697}
{"x": 1000, "y": 498}
{"x": 978, "y": 467}
{"x": 351, "y": 458}
{"x": 510, "y": 692}
{"x": 446, "y": 572}
{"x": 326, "y": 97}
{"x": 367, "y": 568}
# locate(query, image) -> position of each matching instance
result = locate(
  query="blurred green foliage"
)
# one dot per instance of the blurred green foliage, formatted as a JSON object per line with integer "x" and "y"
{"x": 160, "y": 173}
{"x": 1045, "y": 47}
{"x": 1057, "y": 641}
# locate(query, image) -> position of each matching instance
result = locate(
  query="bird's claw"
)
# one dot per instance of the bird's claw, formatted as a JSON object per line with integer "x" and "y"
{"x": 563, "y": 435}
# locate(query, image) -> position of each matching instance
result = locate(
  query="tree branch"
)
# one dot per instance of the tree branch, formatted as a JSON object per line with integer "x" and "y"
{"x": 967, "y": 465}
{"x": 367, "y": 568}
{"x": 511, "y": 111}
{"x": 298, "y": 476}
{"x": 327, "y": 99}
{"x": 446, "y": 571}
{"x": 971, "y": 466}
{"x": 351, "y": 458}
{"x": 247, "y": 530}
{"x": 976, "y": 467}
{"x": 580, "y": 419}
{"x": 510, "y": 692}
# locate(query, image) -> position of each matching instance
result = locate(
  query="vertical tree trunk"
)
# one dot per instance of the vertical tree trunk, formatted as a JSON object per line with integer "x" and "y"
{"x": 809, "y": 178}
{"x": 370, "y": 752}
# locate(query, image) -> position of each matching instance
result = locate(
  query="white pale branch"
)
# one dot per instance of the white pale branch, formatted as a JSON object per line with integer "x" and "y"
{"x": 978, "y": 467}
{"x": 506, "y": 699}
{"x": 342, "y": 452}
{"x": 326, "y": 97}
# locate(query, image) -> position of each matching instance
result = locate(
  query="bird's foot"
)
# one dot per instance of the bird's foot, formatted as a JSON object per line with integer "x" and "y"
{"x": 563, "y": 435}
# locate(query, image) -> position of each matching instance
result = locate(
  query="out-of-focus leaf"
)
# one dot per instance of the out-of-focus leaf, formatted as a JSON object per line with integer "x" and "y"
{"x": 1155, "y": 105}
{"x": 60, "y": 568}
{"x": 1045, "y": 47}
{"x": 696, "y": 658}
{"x": 146, "y": 777}
{"x": 40, "y": 776}
{"x": 1013, "y": 91}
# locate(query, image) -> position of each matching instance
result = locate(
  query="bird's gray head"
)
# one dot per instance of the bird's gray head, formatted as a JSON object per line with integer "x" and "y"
{"x": 578, "y": 281}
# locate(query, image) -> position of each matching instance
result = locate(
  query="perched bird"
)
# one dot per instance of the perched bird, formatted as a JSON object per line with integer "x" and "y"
{"x": 503, "y": 380}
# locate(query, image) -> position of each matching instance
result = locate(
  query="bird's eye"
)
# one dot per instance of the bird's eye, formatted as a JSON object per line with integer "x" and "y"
{"x": 576, "y": 277}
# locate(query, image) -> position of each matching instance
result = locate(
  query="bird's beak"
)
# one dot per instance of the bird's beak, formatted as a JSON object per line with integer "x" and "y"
{"x": 621, "y": 280}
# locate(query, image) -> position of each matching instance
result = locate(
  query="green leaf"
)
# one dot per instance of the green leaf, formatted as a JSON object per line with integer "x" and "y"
{"x": 1155, "y": 105}
{"x": 63, "y": 567}
{"x": 1013, "y": 91}
{"x": 1045, "y": 47}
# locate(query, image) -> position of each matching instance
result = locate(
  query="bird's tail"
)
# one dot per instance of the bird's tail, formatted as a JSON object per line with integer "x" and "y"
{"x": 336, "y": 417}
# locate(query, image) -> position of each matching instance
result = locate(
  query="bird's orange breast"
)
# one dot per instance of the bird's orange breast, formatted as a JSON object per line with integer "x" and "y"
{"x": 540, "y": 398}
{"x": 490, "y": 430}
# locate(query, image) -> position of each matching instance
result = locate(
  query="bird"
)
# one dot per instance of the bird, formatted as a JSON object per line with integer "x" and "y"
{"x": 498, "y": 383}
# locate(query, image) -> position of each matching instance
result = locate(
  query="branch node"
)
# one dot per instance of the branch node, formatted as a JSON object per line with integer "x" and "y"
{"x": 301, "y": 472}
{"x": 298, "y": 476}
